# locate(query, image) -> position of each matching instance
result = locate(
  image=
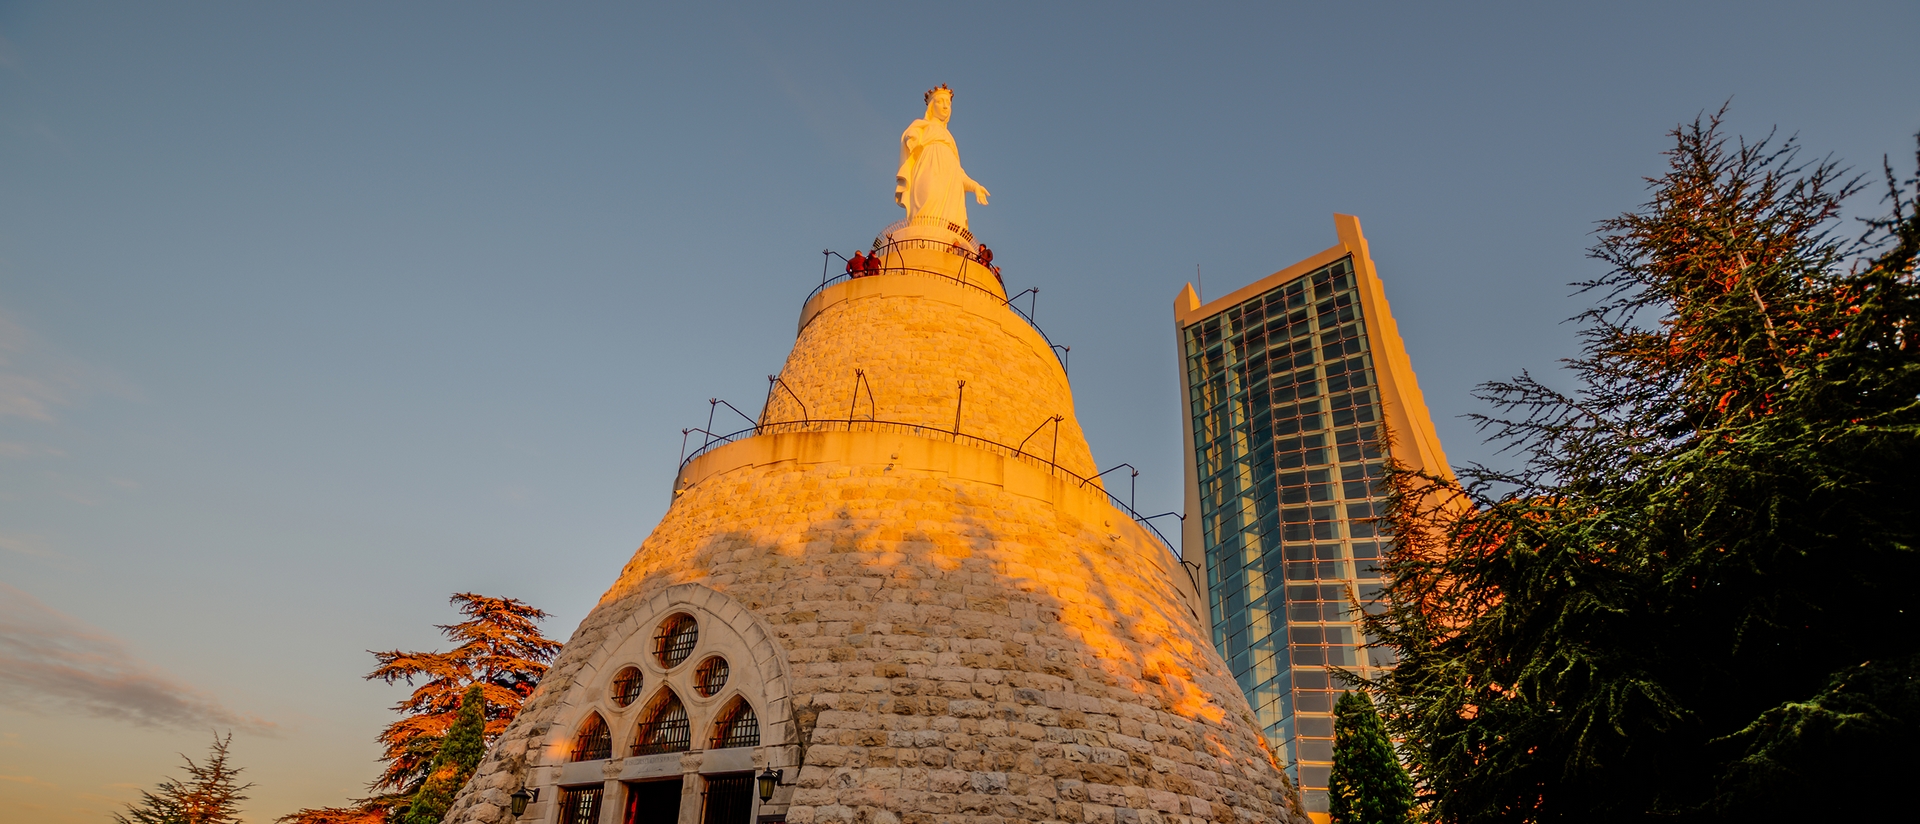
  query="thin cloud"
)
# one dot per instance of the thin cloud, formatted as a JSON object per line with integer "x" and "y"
{"x": 37, "y": 548}
{"x": 27, "y": 779}
{"x": 36, "y": 380}
{"x": 49, "y": 660}
{"x": 28, "y": 545}
{"x": 22, "y": 449}
{"x": 23, "y": 394}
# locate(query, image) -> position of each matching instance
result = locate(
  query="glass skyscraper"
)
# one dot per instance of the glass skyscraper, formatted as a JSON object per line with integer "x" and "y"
{"x": 1291, "y": 386}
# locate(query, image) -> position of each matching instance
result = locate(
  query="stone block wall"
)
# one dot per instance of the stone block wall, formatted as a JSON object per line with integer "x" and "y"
{"x": 966, "y": 638}
{"x": 954, "y": 650}
{"x": 916, "y": 337}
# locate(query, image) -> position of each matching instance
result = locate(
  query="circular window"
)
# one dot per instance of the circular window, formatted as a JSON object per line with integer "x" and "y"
{"x": 710, "y": 676}
{"x": 626, "y": 686}
{"x": 675, "y": 640}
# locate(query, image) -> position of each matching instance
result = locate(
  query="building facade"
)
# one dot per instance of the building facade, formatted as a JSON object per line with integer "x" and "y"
{"x": 903, "y": 596}
{"x": 1292, "y": 385}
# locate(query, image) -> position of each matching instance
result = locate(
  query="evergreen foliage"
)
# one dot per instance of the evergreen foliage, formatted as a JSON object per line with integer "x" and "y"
{"x": 499, "y": 647}
{"x": 500, "y": 651}
{"x": 369, "y": 811}
{"x": 211, "y": 793}
{"x": 1694, "y": 602}
{"x": 1368, "y": 784}
{"x": 460, "y": 753}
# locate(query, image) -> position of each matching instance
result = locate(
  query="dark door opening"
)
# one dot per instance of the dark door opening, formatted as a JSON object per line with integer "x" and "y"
{"x": 729, "y": 799}
{"x": 653, "y": 802}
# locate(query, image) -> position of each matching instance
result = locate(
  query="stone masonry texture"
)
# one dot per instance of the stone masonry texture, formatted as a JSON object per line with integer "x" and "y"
{"x": 915, "y": 350}
{"x": 958, "y": 652}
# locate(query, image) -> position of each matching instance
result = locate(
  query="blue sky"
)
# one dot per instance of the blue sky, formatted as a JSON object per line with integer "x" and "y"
{"x": 311, "y": 315}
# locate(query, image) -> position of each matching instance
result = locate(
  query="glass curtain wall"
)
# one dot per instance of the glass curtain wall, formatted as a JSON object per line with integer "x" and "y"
{"x": 1288, "y": 445}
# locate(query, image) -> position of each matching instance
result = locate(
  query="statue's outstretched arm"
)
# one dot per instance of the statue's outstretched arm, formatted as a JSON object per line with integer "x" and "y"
{"x": 979, "y": 192}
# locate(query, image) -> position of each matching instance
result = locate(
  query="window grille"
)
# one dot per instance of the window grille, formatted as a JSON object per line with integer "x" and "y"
{"x": 710, "y": 677}
{"x": 580, "y": 805}
{"x": 737, "y": 727}
{"x": 675, "y": 640}
{"x": 626, "y": 686}
{"x": 665, "y": 728}
{"x": 593, "y": 743}
{"x": 729, "y": 799}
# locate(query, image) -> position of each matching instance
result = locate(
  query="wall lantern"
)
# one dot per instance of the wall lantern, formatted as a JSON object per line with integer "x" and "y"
{"x": 520, "y": 798}
{"x": 769, "y": 780}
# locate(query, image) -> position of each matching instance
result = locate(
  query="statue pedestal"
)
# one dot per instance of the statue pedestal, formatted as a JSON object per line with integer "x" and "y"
{"x": 939, "y": 248}
{"x": 937, "y": 230}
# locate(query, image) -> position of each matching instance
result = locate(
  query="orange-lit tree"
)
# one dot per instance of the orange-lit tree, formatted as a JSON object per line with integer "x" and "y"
{"x": 1694, "y": 601}
{"x": 210, "y": 795}
{"x": 499, "y": 650}
{"x": 460, "y": 752}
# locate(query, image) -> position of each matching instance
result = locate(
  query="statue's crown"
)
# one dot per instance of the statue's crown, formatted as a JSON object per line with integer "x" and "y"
{"x": 928, "y": 98}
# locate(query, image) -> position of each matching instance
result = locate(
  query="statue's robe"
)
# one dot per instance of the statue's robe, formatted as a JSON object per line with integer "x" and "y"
{"x": 930, "y": 182}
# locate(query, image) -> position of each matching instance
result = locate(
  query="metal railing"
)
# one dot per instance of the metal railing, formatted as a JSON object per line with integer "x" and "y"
{"x": 1033, "y": 304}
{"x": 886, "y": 235}
{"x": 714, "y": 441}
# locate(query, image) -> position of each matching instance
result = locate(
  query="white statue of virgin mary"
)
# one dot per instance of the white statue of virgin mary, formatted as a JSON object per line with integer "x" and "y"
{"x": 930, "y": 183}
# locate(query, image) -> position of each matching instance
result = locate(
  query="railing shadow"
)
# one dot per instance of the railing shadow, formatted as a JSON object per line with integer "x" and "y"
{"x": 712, "y": 441}
{"x": 889, "y": 266}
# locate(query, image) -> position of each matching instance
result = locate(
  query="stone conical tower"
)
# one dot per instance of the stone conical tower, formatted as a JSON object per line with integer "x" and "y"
{"x": 923, "y": 606}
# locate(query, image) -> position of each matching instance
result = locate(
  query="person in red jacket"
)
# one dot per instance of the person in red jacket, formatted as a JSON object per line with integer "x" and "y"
{"x": 857, "y": 265}
{"x": 873, "y": 264}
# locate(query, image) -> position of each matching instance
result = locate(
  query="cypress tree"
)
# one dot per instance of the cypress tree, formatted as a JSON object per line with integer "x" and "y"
{"x": 459, "y": 755}
{"x": 1368, "y": 785}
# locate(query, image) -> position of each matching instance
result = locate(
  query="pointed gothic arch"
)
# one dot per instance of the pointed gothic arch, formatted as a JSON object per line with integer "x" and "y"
{"x": 592, "y": 742}
{"x": 735, "y": 726}
{"x": 585, "y": 684}
{"x": 664, "y": 727}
